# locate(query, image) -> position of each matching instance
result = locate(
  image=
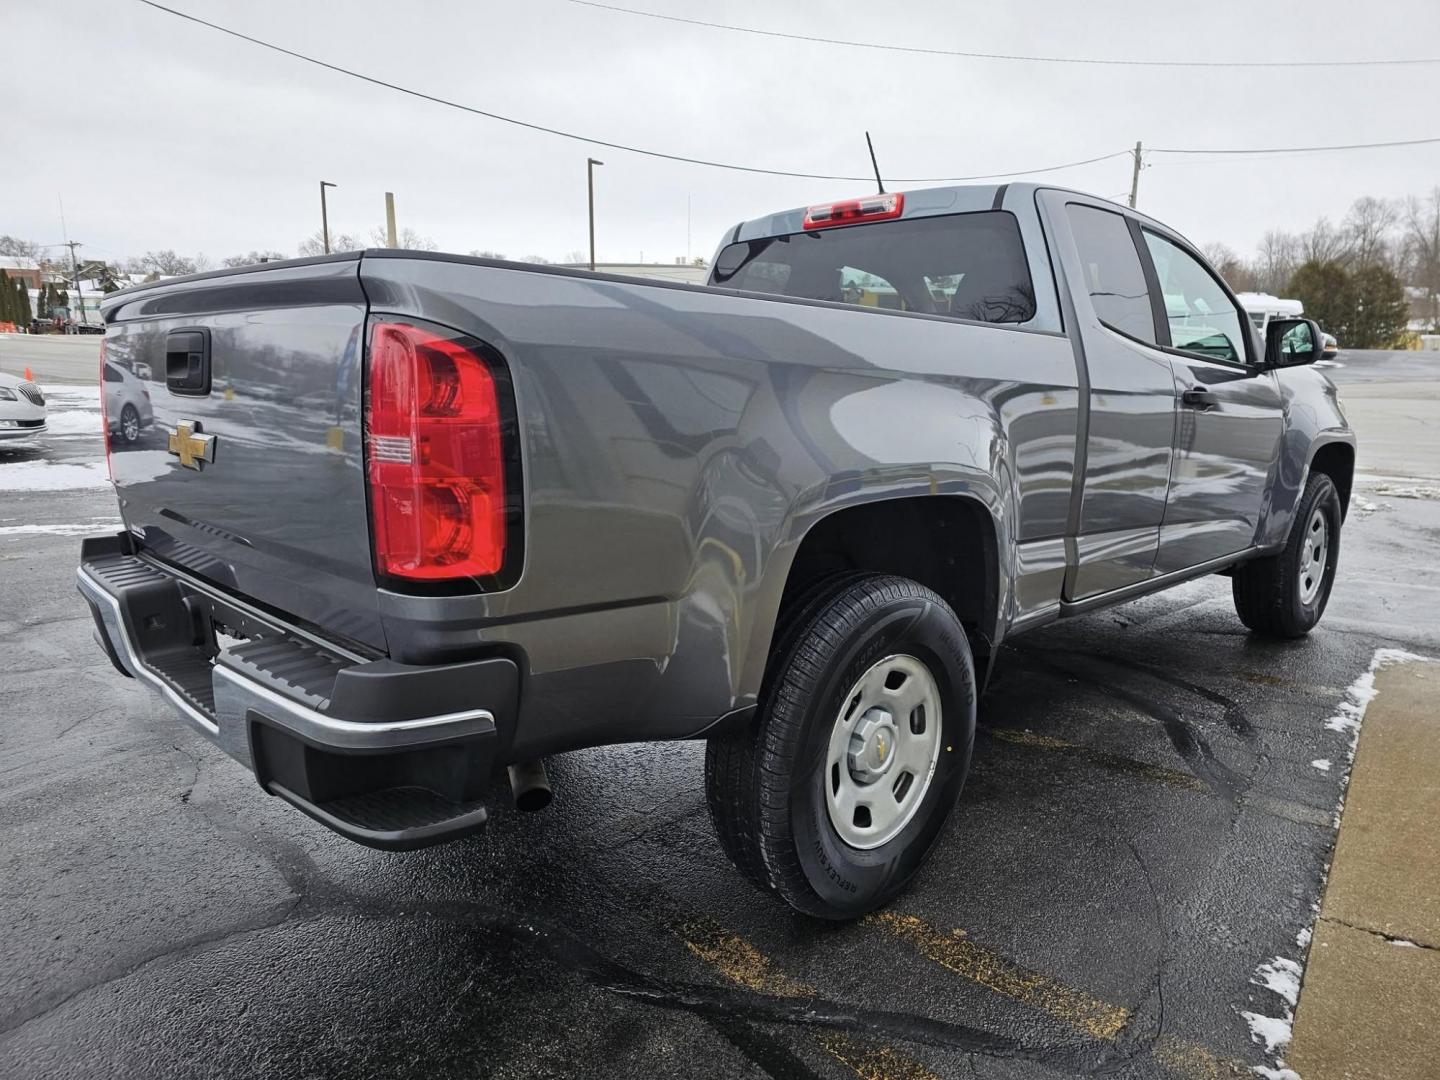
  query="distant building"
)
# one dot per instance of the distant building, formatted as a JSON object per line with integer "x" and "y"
{"x": 27, "y": 270}
{"x": 1424, "y": 309}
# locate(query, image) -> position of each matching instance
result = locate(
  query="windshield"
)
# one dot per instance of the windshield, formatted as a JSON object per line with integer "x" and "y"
{"x": 965, "y": 266}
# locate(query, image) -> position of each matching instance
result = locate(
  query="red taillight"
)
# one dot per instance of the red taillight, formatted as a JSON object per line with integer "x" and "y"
{"x": 850, "y": 211}
{"x": 433, "y": 454}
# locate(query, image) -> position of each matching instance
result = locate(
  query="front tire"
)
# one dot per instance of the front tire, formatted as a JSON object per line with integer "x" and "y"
{"x": 1284, "y": 595}
{"x": 834, "y": 798}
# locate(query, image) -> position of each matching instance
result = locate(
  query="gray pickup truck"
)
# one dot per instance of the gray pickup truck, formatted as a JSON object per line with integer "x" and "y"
{"x": 408, "y": 521}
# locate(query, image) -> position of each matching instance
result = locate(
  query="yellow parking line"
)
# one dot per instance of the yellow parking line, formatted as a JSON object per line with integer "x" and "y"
{"x": 743, "y": 964}
{"x": 874, "y": 1062}
{"x": 1195, "y": 1062}
{"x": 739, "y": 961}
{"x": 1104, "y": 758}
{"x": 955, "y": 952}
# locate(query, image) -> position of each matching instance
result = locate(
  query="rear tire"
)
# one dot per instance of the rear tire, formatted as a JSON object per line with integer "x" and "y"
{"x": 1284, "y": 595}
{"x": 862, "y": 742}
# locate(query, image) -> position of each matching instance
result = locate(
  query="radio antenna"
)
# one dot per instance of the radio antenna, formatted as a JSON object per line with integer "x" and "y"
{"x": 875, "y": 164}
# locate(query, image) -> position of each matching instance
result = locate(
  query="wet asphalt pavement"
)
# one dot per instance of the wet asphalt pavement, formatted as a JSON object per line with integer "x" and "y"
{"x": 1142, "y": 829}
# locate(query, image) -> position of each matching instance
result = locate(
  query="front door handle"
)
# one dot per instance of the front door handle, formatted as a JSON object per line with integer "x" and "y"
{"x": 1198, "y": 397}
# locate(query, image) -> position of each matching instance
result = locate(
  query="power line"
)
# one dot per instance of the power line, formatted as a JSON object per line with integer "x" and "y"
{"x": 1009, "y": 56}
{"x": 434, "y": 99}
{"x": 594, "y": 141}
{"x": 1295, "y": 149}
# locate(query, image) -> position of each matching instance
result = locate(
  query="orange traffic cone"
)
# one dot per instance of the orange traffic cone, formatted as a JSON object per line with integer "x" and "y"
{"x": 28, "y": 376}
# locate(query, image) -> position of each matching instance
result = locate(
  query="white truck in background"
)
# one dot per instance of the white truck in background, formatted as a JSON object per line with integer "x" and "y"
{"x": 1262, "y": 307}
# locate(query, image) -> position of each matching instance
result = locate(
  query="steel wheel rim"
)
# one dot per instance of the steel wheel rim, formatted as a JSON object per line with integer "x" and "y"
{"x": 131, "y": 423}
{"x": 883, "y": 751}
{"x": 1314, "y": 552}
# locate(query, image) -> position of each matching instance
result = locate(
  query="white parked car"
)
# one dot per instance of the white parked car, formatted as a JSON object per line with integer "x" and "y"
{"x": 127, "y": 403}
{"x": 22, "y": 409}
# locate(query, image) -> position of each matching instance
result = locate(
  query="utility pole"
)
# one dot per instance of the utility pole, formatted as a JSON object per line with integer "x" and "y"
{"x": 324, "y": 216}
{"x": 1135, "y": 175}
{"x": 75, "y": 276}
{"x": 390, "y": 219}
{"x": 590, "y": 164}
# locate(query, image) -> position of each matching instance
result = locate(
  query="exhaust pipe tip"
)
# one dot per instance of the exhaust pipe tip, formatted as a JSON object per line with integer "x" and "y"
{"x": 530, "y": 785}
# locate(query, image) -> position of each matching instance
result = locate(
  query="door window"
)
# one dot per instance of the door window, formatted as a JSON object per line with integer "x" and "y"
{"x": 1113, "y": 276}
{"x": 1203, "y": 319}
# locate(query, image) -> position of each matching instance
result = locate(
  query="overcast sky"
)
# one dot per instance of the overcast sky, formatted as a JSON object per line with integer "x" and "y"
{"x": 159, "y": 133}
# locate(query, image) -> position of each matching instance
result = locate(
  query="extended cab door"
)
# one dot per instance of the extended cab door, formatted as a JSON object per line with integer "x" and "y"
{"x": 1127, "y": 444}
{"x": 1228, "y": 421}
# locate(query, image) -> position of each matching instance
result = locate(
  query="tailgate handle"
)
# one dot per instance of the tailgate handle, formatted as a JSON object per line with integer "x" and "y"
{"x": 187, "y": 362}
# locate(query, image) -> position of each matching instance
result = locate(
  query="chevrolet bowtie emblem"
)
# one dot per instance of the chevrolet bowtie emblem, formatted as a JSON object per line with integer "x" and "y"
{"x": 192, "y": 446}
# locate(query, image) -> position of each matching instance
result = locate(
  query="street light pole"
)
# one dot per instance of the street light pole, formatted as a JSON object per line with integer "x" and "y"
{"x": 590, "y": 164}
{"x": 324, "y": 216}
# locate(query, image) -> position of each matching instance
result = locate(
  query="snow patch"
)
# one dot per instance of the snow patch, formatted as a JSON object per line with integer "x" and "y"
{"x": 1404, "y": 943}
{"x": 1275, "y": 1074}
{"x": 1323, "y": 764}
{"x": 52, "y": 476}
{"x": 1362, "y": 507}
{"x": 1359, "y": 694}
{"x": 75, "y": 422}
{"x": 1303, "y": 937}
{"x": 1273, "y": 1031}
{"x": 84, "y": 528}
{"x": 1280, "y": 975}
{"x": 72, "y": 395}
{"x": 1408, "y": 491}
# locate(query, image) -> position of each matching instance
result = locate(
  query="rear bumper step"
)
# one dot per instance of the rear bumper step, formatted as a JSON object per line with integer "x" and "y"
{"x": 391, "y": 755}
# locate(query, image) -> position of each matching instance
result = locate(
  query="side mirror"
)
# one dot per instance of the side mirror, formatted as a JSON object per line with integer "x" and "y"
{"x": 1291, "y": 342}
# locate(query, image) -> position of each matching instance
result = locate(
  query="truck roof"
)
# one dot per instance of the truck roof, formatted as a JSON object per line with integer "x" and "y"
{"x": 921, "y": 202}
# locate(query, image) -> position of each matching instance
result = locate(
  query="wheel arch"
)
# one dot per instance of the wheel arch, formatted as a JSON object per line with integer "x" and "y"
{"x": 1336, "y": 459}
{"x": 952, "y": 543}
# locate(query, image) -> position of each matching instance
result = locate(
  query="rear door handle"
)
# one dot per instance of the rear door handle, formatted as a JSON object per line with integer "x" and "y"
{"x": 1198, "y": 397}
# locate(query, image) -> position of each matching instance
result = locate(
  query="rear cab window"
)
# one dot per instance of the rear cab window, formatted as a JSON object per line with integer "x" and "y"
{"x": 961, "y": 266}
{"x": 1114, "y": 277}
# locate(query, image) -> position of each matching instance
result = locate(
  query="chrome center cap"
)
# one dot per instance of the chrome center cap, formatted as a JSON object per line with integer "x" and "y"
{"x": 872, "y": 746}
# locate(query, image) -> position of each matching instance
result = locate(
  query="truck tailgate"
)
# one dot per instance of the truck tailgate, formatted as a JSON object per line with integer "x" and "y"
{"x": 279, "y": 515}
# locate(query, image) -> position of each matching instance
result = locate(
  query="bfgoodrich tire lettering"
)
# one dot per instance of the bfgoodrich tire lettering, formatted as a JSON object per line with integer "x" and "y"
{"x": 766, "y": 787}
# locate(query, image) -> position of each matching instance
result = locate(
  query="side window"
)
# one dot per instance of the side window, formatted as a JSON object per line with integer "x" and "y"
{"x": 1202, "y": 318}
{"x": 1113, "y": 276}
{"x": 112, "y": 374}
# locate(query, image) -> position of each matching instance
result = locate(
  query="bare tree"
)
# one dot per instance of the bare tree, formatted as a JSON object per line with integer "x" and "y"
{"x": 1222, "y": 257}
{"x": 406, "y": 238}
{"x": 251, "y": 258}
{"x": 1422, "y": 249}
{"x": 165, "y": 263}
{"x": 486, "y": 255}
{"x": 314, "y": 244}
{"x": 1324, "y": 243}
{"x": 20, "y": 249}
{"x": 1275, "y": 261}
{"x": 1369, "y": 229}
